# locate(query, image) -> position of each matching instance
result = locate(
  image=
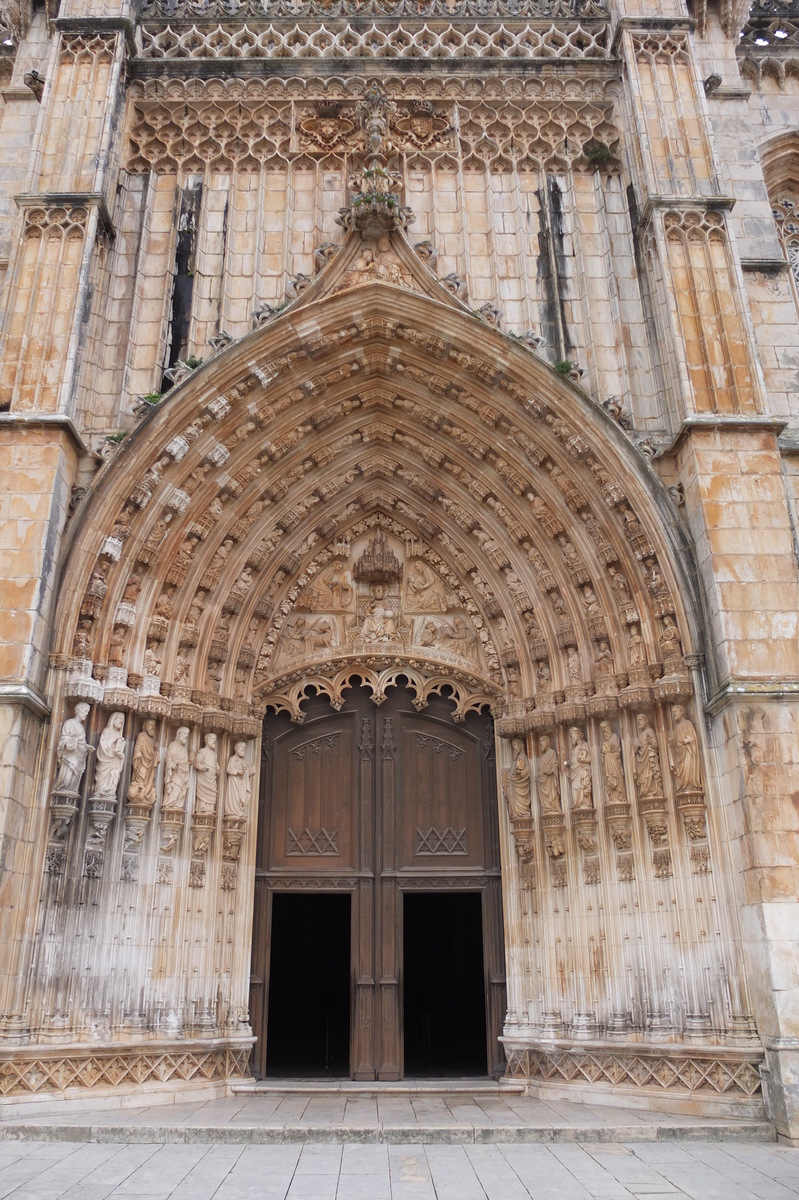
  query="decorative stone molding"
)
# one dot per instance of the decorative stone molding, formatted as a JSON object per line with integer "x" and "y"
{"x": 23, "y": 1073}
{"x": 482, "y": 10}
{"x": 533, "y": 131}
{"x": 690, "y": 1074}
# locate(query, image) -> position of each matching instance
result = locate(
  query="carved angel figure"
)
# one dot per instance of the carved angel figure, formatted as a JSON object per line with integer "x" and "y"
{"x": 580, "y": 770}
{"x": 239, "y": 783}
{"x": 517, "y": 782}
{"x": 176, "y": 773}
{"x": 72, "y": 752}
{"x": 205, "y": 764}
{"x": 141, "y": 789}
{"x": 110, "y": 756}
{"x": 458, "y": 638}
{"x": 305, "y": 635}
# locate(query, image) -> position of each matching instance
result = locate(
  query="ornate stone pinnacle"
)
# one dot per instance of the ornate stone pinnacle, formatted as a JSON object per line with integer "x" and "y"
{"x": 378, "y": 563}
{"x": 375, "y": 208}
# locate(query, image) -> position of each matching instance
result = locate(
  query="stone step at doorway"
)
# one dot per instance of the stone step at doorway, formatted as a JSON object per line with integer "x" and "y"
{"x": 402, "y": 1087}
{"x": 378, "y": 1114}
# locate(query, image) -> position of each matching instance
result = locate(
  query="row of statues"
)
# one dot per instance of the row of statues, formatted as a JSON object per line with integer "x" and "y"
{"x": 684, "y": 761}
{"x": 73, "y": 753}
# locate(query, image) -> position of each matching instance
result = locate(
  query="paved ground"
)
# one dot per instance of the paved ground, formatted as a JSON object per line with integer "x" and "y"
{"x": 701, "y": 1171}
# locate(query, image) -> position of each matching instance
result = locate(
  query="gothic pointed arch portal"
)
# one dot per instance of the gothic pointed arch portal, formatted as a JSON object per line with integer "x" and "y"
{"x": 378, "y": 484}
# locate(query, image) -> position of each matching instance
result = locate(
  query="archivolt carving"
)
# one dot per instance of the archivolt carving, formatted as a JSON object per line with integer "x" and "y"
{"x": 271, "y": 506}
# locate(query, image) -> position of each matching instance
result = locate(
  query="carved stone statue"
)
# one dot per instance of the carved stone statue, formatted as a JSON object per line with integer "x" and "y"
{"x": 456, "y": 637}
{"x": 176, "y": 773}
{"x": 573, "y": 667}
{"x": 141, "y": 790}
{"x": 164, "y": 605}
{"x": 132, "y": 589}
{"x": 580, "y": 771}
{"x": 590, "y": 602}
{"x": 72, "y": 752}
{"x": 603, "y": 660}
{"x": 424, "y": 592}
{"x": 517, "y": 783}
{"x": 239, "y": 783}
{"x": 670, "y": 641}
{"x": 684, "y": 752}
{"x": 648, "y": 772}
{"x": 612, "y": 770}
{"x": 205, "y": 764}
{"x": 152, "y": 663}
{"x": 304, "y": 635}
{"x": 637, "y": 648}
{"x": 379, "y": 624}
{"x": 548, "y": 777}
{"x": 116, "y": 647}
{"x": 110, "y": 757}
{"x": 82, "y": 641}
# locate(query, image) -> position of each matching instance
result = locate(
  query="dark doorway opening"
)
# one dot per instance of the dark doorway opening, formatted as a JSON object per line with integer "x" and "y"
{"x": 308, "y": 1025}
{"x": 444, "y": 984}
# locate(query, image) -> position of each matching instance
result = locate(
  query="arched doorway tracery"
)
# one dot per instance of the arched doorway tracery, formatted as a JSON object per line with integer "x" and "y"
{"x": 190, "y": 560}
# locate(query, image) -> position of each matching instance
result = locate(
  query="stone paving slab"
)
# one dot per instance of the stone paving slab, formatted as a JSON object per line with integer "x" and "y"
{"x": 703, "y": 1170}
{"x": 374, "y": 1119}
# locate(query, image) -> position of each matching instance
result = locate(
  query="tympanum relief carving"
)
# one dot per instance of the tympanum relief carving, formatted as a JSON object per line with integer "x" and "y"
{"x": 378, "y": 596}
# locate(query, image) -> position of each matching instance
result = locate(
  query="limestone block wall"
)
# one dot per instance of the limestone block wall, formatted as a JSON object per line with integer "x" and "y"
{"x": 548, "y": 243}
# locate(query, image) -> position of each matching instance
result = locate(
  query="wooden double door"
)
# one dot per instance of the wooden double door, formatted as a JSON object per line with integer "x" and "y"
{"x": 378, "y": 940}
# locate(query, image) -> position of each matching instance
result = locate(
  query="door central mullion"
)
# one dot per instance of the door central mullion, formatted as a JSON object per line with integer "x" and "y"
{"x": 389, "y": 1058}
{"x": 363, "y": 1019}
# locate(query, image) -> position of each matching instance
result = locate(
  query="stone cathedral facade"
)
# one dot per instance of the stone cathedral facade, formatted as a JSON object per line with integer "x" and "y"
{"x": 398, "y": 431}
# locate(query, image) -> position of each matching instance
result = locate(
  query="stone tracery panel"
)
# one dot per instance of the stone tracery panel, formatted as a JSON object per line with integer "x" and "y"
{"x": 194, "y": 126}
{"x": 506, "y": 39}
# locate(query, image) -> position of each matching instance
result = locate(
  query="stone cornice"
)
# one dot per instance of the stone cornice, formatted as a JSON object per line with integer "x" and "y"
{"x": 766, "y": 266}
{"x": 647, "y": 25}
{"x": 744, "y": 691}
{"x": 59, "y": 421}
{"x": 68, "y": 200}
{"x": 214, "y": 68}
{"x": 726, "y": 421}
{"x": 92, "y": 26}
{"x": 21, "y": 695}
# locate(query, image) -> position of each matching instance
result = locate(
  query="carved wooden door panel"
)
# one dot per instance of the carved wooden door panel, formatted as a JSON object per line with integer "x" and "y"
{"x": 377, "y": 801}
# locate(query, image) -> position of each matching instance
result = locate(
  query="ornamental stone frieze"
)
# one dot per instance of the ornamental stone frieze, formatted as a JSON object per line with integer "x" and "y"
{"x": 172, "y": 126}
